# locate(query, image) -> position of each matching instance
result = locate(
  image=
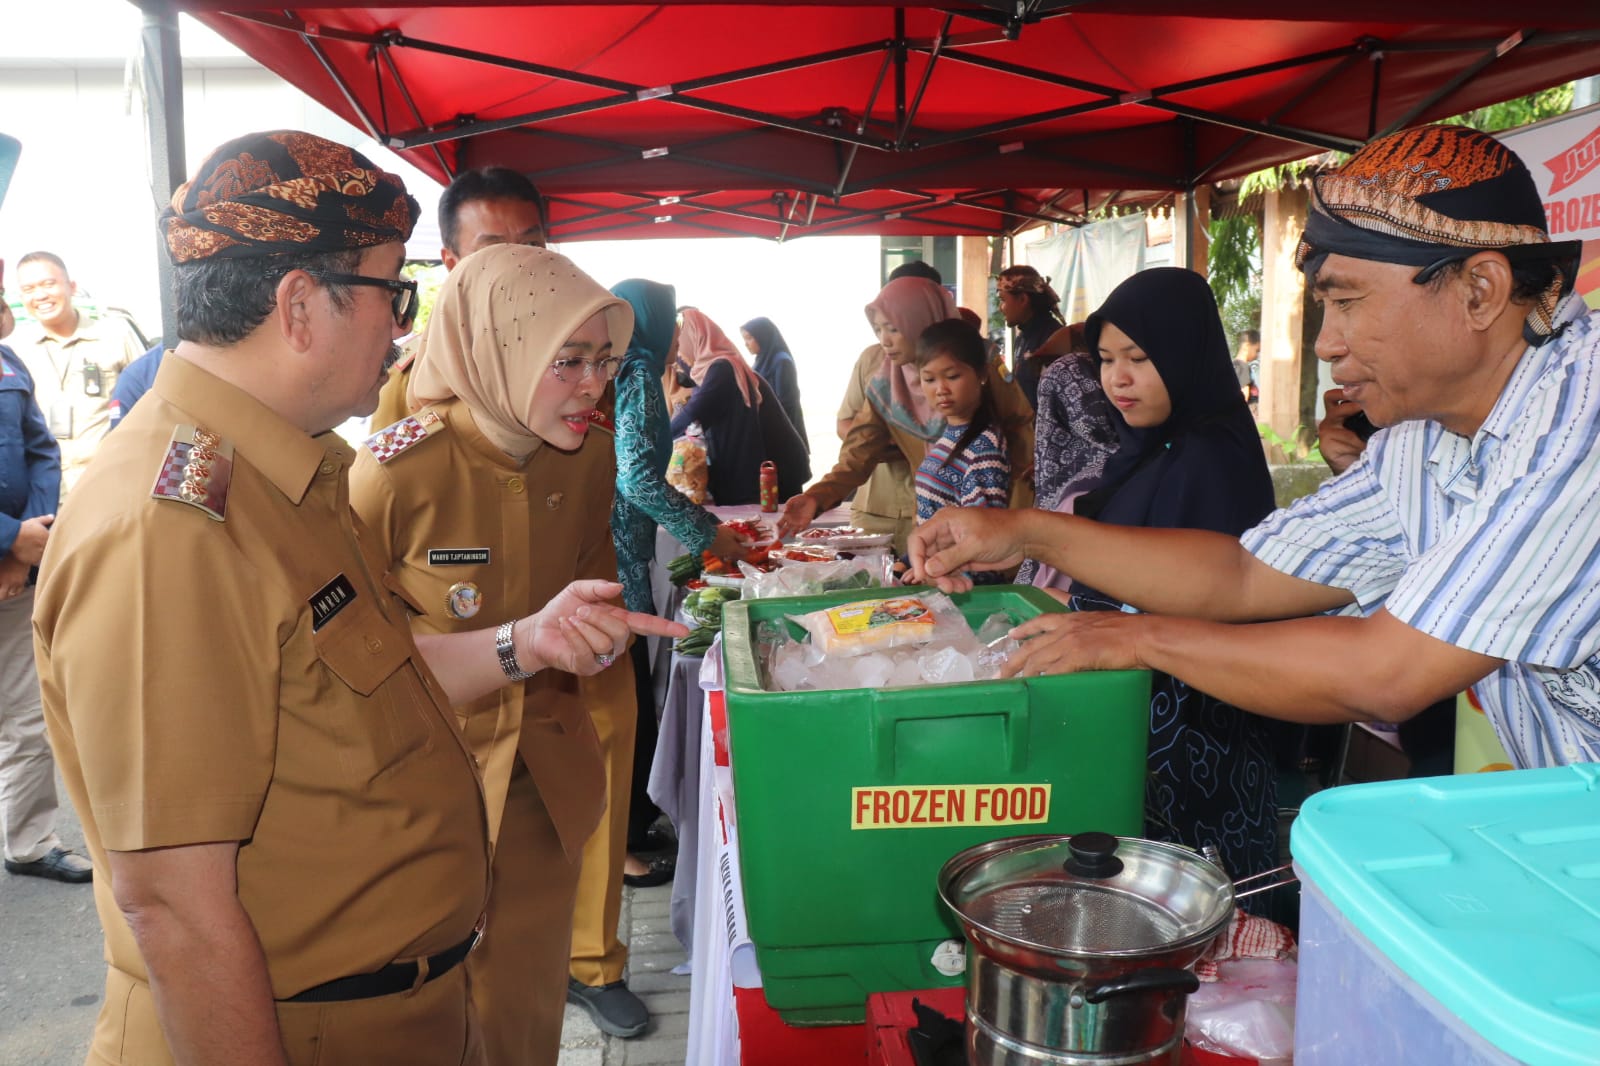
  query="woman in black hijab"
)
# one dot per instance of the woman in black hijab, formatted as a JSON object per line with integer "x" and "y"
{"x": 1189, "y": 456}
{"x": 775, "y": 364}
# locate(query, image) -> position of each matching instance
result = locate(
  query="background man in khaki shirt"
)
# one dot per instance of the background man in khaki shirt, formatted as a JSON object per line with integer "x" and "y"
{"x": 290, "y": 829}
{"x": 479, "y": 209}
{"x": 74, "y": 360}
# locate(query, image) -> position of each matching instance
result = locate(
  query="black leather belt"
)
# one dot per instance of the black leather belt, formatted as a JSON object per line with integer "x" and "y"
{"x": 393, "y": 978}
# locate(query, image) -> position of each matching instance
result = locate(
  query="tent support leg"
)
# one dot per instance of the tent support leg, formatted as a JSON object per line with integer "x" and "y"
{"x": 163, "y": 82}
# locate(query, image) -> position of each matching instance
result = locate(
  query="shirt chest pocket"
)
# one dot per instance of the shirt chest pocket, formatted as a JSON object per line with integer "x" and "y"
{"x": 375, "y": 704}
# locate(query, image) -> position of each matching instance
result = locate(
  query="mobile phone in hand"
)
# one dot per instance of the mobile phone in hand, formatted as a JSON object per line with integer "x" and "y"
{"x": 1360, "y": 425}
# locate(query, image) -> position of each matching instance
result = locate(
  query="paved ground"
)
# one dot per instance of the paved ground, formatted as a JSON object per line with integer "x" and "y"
{"x": 52, "y": 977}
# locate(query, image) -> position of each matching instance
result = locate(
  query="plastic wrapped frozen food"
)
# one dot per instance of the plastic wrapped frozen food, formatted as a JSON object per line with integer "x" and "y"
{"x": 867, "y": 626}
{"x": 869, "y": 571}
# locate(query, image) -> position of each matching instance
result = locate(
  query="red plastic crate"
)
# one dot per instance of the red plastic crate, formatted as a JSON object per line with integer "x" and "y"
{"x": 889, "y": 1016}
{"x": 764, "y": 1040}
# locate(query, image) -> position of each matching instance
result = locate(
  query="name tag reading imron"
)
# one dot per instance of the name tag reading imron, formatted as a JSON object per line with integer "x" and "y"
{"x": 330, "y": 600}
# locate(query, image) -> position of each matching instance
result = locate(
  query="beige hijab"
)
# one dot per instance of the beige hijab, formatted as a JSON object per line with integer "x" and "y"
{"x": 497, "y": 325}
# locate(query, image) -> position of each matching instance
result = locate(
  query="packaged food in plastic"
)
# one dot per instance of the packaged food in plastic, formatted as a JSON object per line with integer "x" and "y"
{"x": 843, "y": 537}
{"x": 867, "y": 626}
{"x": 862, "y": 572}
{"x": 687, "y": 470}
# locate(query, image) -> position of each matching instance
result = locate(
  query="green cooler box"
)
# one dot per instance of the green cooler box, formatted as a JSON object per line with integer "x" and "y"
{"x": 850, "y": 801}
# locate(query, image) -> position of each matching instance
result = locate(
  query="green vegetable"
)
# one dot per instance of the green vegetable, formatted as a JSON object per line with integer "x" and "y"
{"x": 685, "y": 568}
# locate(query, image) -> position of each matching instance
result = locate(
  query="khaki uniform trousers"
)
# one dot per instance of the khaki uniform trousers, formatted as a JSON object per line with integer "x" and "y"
{"x": 431, "y": 1025}
{"x": 520, "y": 958}
{"x": 27, "y": 770}
{"x": 598, "y": 955}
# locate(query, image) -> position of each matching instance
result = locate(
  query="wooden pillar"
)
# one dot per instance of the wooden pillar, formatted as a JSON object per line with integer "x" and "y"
{"x": 1191, "y": 220}
{"x": 972, "y": 288}
{"x": 1282, "y": 310}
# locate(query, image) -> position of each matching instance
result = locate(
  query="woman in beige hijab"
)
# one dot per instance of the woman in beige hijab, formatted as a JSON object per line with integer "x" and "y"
{"x": 491, "y": 498}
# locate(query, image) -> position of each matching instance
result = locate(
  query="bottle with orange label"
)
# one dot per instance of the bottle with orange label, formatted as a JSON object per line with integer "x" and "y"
{"x": 769, "y": 486}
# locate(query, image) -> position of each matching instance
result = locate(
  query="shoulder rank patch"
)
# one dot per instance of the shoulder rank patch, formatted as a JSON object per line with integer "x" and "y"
{"x": 392, "y": 440}
{"x": 196, "y": 470}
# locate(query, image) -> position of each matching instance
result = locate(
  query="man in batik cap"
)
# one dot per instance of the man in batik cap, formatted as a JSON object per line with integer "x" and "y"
{"x": 290, "y": 833}
{"x": 1463, "y": 547}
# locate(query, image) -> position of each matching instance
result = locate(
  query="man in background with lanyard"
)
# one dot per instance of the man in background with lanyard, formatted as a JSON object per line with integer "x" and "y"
{"x": 74, "y": 360}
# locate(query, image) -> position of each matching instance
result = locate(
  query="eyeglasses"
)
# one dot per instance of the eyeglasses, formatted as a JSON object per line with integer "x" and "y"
{"x": 403, "y": 299}
{"x": 603, "y": 369}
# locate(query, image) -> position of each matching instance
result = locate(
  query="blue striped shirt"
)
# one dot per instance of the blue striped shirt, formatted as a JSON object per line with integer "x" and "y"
{"x": 1491, "y": 544}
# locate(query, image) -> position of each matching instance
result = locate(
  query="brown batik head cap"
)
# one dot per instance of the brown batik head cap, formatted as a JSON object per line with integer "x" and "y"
{"x": 285, "y": 191}
{"x": 1432, "y": 195}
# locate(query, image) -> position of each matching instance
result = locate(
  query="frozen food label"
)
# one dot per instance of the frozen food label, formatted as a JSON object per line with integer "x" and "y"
{"x": 936, "y": 806}
{"x": 872, "y": 616}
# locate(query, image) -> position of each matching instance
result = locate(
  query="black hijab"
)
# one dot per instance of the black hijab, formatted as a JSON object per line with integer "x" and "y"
{"x": 1203, "y": 468}
{"x": 769, "y": 342}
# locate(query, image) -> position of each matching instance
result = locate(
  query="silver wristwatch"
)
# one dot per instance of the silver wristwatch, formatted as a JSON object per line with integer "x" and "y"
{"x": 507, "y": 652}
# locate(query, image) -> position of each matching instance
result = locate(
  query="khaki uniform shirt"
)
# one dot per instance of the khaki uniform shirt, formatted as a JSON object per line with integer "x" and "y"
{"x": 254, "y": 679}
{"x": 73, "y": 379}
{"x": 471, "y": 529}
{"x": 392, "y": 397}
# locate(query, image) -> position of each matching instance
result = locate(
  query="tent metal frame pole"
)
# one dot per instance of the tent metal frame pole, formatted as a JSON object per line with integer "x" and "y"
{"x": 1311, "y": 89}
{"x": 625, "y": 153}
{"x": 1503, "y": 48}
{"x": 162, "y": 71}
{"x": 1328, "y": 141}
{"x": 416, "y": 113}
{"x": 903, "y": 129}
{"x": 1042, "y": 151}
{"x": 344, "y": 89}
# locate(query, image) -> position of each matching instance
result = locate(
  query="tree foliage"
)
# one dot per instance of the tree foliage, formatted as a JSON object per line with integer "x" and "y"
{"x": 1234, "y": 269}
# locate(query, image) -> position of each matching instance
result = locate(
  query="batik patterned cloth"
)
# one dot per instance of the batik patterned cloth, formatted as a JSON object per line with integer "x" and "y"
{"x": 285, "y": 191}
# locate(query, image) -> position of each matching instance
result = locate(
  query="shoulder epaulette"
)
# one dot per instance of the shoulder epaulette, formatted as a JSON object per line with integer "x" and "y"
{"x": 196, "y": 470}
{"x": 403, "y": 435}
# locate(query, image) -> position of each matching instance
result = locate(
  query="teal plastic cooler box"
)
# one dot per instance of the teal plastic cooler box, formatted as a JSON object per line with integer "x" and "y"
{"x": 1451, "y": 920}
{"x": 850, "y": 801}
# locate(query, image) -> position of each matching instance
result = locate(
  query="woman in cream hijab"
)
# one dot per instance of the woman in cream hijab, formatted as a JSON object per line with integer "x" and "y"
{"x": 490, "y": 499}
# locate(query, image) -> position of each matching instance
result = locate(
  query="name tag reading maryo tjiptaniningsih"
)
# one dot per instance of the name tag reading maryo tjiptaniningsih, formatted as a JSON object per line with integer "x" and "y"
{"x": 458, "y": 556}
{"x": 329, "y": 600}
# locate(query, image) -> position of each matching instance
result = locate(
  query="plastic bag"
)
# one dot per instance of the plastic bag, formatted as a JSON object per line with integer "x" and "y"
{"x": 810, "y": 579}
{"x": 688, "y": 470}
{"x": 1248, "y": 1011}
{"x": 867, "y": 626}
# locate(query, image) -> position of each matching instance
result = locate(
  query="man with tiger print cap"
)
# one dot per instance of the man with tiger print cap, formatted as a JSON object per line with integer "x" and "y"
{"x": 1463, "y": 547}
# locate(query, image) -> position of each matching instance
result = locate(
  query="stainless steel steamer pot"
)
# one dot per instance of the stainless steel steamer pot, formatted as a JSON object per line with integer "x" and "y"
{"x": 1081, "y": 947}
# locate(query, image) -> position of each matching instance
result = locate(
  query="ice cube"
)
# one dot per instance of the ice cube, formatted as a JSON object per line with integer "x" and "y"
{"x": 946, "y": 666}
{"x": 994, "y": 627}
{"x": 789, "y": 670}
{"x": 872, "y": 671}
{"x": 907, "y": 670}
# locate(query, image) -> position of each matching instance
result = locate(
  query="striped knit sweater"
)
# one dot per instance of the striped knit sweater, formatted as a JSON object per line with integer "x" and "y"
{"x": 979, "y": 476}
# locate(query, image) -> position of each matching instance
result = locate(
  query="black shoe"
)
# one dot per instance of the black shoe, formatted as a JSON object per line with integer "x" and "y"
{"x": 58, "y": 865}
{"x": 614, "y": 1009}
{"x": 661, "y": 871}
{"x": 657, "y": 839}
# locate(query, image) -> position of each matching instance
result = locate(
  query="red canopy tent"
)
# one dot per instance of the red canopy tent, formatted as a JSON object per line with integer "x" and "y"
{"x": 980, "y": 116}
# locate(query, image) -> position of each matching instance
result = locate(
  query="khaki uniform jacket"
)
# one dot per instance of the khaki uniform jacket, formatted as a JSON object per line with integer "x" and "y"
{"x": 872, "y": 441}
{"x": 889, "y": 492}
{"x": 453, "y": 510}
{"x": 241, "y": 669}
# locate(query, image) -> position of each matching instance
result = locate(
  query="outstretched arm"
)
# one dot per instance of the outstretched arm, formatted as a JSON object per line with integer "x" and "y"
{"x": 1304, "y": 670}
{"x": 1185, "y": 572}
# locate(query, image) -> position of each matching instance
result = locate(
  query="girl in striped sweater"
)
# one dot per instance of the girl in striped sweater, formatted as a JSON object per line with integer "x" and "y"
{"x": 967, "y": 465}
